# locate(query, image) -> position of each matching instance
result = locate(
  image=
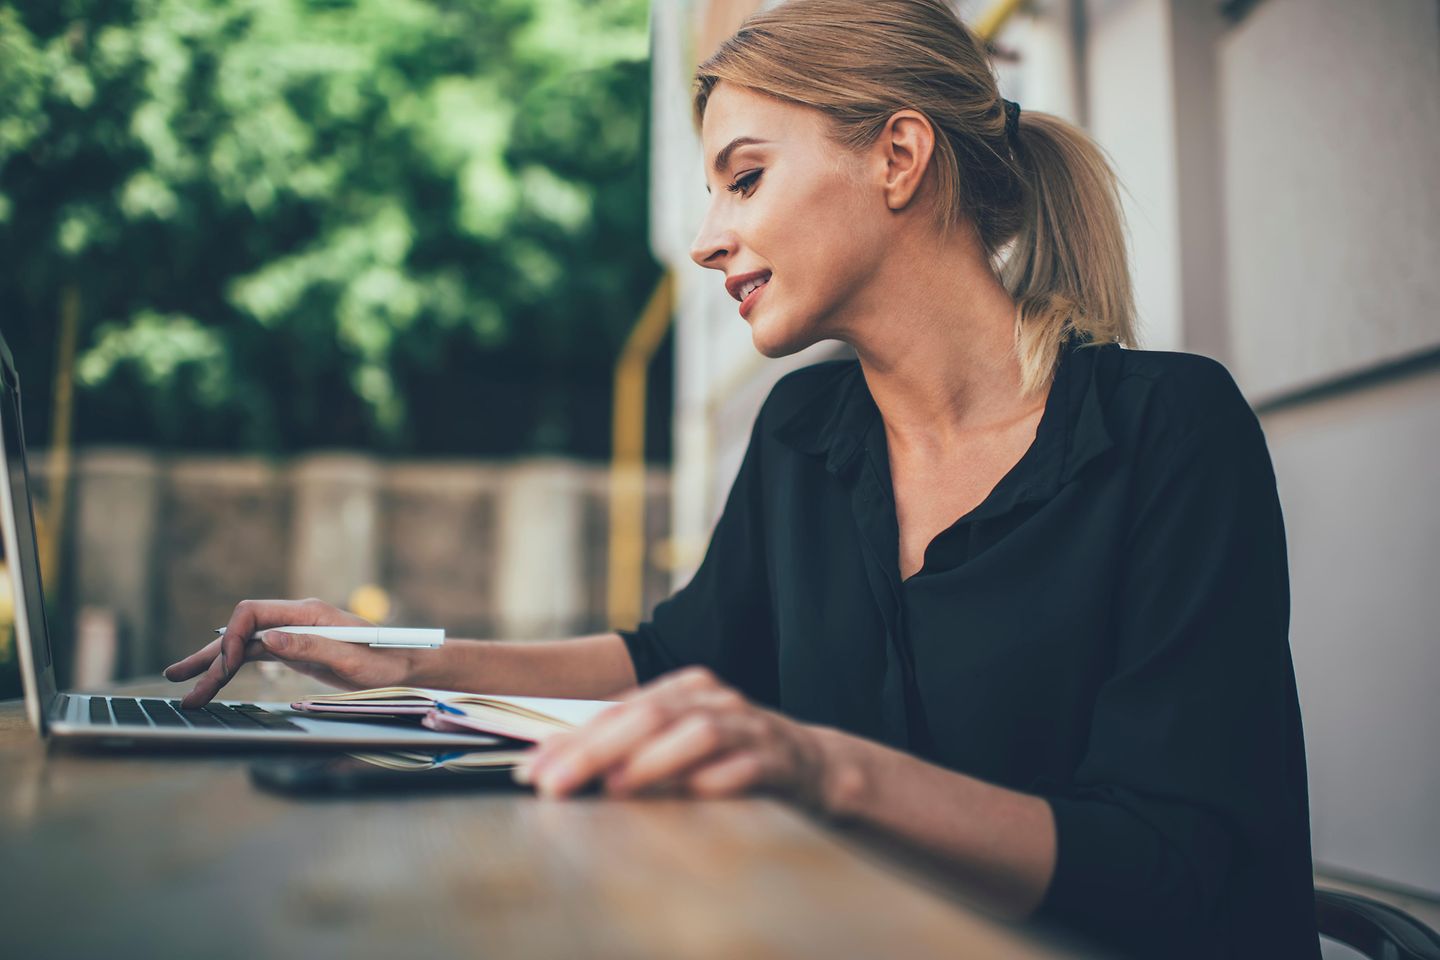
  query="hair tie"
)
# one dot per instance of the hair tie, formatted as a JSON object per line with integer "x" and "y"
{"x": 1012, "y": 119}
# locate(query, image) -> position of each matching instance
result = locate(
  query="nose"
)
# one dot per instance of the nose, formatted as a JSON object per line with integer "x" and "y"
{"x": 713, "y": 245}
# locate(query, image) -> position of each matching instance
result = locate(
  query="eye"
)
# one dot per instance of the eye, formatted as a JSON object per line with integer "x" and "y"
{"x": 745, "y": 183}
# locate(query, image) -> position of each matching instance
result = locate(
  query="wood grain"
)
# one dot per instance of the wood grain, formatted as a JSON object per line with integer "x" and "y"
{"x": 179, "y": 855}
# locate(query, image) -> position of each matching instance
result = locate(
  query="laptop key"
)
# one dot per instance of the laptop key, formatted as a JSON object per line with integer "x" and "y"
{"x": 199, "y": 718}
{"x": 162, "y": 713}
{"x": 127, "y": 711}
{"x": 266, "y": 718}
{"x": 231, "y": 717}
{"x": 99, "y": 710}
{"x": 251, "y": 719}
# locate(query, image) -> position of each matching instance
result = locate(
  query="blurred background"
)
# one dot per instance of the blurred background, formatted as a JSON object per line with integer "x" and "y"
{"x": 312, "y": 297}
{"x": 389, "y": 302}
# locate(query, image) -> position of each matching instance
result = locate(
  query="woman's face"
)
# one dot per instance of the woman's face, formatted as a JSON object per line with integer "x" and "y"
{"x": 793, "y": 209}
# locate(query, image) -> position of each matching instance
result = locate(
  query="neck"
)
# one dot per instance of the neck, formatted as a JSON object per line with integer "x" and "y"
{"x": 936, "y": 341}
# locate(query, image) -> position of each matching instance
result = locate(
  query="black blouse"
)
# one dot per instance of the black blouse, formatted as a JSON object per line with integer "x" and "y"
{"x": 1107, "y": 630}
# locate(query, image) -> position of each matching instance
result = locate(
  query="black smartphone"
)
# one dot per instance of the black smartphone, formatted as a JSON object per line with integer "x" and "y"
{"x": 355, "y": 773}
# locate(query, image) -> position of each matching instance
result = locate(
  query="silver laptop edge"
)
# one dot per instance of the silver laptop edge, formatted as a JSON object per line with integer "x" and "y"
{"x": 39, "y": 685}
{"x": 67, "y": 715}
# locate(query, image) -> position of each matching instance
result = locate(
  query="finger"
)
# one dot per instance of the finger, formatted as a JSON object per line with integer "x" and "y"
{"x": 666, "y": 696}
{"x": 251, "y": 616}
{"x": 689, "y": 741}
{"x": 239, "y": 631}
{"x": 595, "y": 748}
{"x": 732, "y": 774}
{"x": 215, "y": 677}
{"x": 553, "y": 744}
{"x": 613, "y": 736}
{"x": 197, "y": 662}
{"x": 306, "y": 648}
{"x": 557, "y": 744}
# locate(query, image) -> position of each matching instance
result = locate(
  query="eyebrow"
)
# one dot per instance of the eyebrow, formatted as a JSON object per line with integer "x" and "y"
{"x": 722, "y": 159}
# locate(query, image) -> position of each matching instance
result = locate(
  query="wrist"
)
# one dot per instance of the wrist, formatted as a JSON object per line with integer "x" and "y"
{"x": 430, "y": 668}
{"x": 844, "y": 775}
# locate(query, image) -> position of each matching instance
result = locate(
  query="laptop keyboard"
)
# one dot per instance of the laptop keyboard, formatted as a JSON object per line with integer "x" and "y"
{"x": 125, "y": 711}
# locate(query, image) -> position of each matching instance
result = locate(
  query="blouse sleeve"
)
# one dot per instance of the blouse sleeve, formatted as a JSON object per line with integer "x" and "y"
{"x": 1193, "y": 782}
{"x": 722, "y": 618}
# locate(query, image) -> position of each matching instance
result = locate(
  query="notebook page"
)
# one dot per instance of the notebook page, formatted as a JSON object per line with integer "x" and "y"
{"x": 575, "y": 712}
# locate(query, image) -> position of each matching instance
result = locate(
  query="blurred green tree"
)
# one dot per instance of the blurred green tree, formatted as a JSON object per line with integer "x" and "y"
{"x": 412, "y": 225}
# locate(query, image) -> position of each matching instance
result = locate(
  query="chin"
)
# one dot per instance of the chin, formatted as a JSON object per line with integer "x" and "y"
{"x": 776, "y": 340}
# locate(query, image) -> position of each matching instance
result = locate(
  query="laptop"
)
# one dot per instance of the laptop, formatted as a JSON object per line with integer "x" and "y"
{"x": 146, "y": 721}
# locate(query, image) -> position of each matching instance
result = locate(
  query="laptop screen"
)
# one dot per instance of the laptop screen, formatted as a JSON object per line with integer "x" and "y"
{"x": 24, "y": 567}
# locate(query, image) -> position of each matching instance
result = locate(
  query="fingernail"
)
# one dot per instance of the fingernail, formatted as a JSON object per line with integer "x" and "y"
{"x": 275, "y": 641}
{"x": 556, "y": 780}
{"x": 521, "y": 773}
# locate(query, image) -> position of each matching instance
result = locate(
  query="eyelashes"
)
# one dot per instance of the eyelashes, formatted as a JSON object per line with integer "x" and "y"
{"x": 745, "y": 183}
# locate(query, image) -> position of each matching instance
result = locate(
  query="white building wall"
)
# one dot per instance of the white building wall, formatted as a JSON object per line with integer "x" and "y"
{"x": 1331, "y": 133}
{"x": 1358, "y": 475}
{"x": 1129, "y": 71}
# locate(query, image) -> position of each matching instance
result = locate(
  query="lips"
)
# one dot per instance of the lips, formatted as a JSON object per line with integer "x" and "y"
{"x": 742, "y": 285}
{"x": 755, "y": 289}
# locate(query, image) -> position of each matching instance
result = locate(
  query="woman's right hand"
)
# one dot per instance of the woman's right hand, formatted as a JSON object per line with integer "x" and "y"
{"x": 352, "y": 666}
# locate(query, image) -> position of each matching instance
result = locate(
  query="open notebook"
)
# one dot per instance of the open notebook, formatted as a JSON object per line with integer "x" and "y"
{"x": 520, "y": 718}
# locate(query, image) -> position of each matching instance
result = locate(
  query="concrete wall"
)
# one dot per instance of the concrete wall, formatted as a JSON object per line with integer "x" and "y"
{"x": 1331, "y": 133}
{"x": 1129, "y": 72}
{"x": 1358, "y": 474}
{"x": 170, "y": 544}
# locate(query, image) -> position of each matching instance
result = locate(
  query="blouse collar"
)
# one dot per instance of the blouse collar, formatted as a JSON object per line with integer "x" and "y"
{"x": 839, "y": 422}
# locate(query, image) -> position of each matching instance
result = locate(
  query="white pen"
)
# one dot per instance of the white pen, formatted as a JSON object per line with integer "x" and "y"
{"x": 374, "y": 636}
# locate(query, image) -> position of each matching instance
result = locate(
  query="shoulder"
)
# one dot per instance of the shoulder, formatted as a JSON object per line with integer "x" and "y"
{"x": 1173, "y": 397}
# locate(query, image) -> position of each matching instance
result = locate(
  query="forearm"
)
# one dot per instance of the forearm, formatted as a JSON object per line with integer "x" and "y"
{"x": 595, "y": 667}
{"x": 1000, "y": 843}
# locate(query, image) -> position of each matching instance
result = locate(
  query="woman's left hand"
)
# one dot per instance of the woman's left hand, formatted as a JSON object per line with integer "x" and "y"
{"x": 686, "y": 729}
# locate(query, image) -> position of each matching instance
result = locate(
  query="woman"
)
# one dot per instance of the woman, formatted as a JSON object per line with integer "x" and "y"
{"x": 999, "y": 588}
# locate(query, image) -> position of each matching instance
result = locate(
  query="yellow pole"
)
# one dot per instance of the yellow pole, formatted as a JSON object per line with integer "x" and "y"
{"x": 993, "y": 19}
{"x": 626, "y": 566}
{"x": 52, "y": 535}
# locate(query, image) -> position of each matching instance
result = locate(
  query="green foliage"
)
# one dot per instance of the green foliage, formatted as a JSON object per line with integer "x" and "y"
{"x": 318, "y": 222}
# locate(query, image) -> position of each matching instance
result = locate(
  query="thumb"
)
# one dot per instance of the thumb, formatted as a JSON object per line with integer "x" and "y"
{"x": 293, "y": 646}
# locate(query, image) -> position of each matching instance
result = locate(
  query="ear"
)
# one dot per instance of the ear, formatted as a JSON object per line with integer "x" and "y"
{"x": 904, "y": 148}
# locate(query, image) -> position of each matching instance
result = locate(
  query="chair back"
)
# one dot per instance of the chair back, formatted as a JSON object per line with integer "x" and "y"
{"x": 1375, "y": 929}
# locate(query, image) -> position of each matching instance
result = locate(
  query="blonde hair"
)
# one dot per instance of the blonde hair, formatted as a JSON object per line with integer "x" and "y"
{"x": 1045, "y": 204}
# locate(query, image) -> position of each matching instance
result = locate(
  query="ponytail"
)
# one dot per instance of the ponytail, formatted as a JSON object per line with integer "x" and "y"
{"x": 1066, "y": 267}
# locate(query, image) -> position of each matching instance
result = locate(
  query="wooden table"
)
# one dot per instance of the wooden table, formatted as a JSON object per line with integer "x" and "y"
{"x": 179, "y": 855}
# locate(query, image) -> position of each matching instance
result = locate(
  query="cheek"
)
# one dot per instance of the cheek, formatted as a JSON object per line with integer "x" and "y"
{"x": 833, "y": 257}
{"x": 820, "y": 240}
